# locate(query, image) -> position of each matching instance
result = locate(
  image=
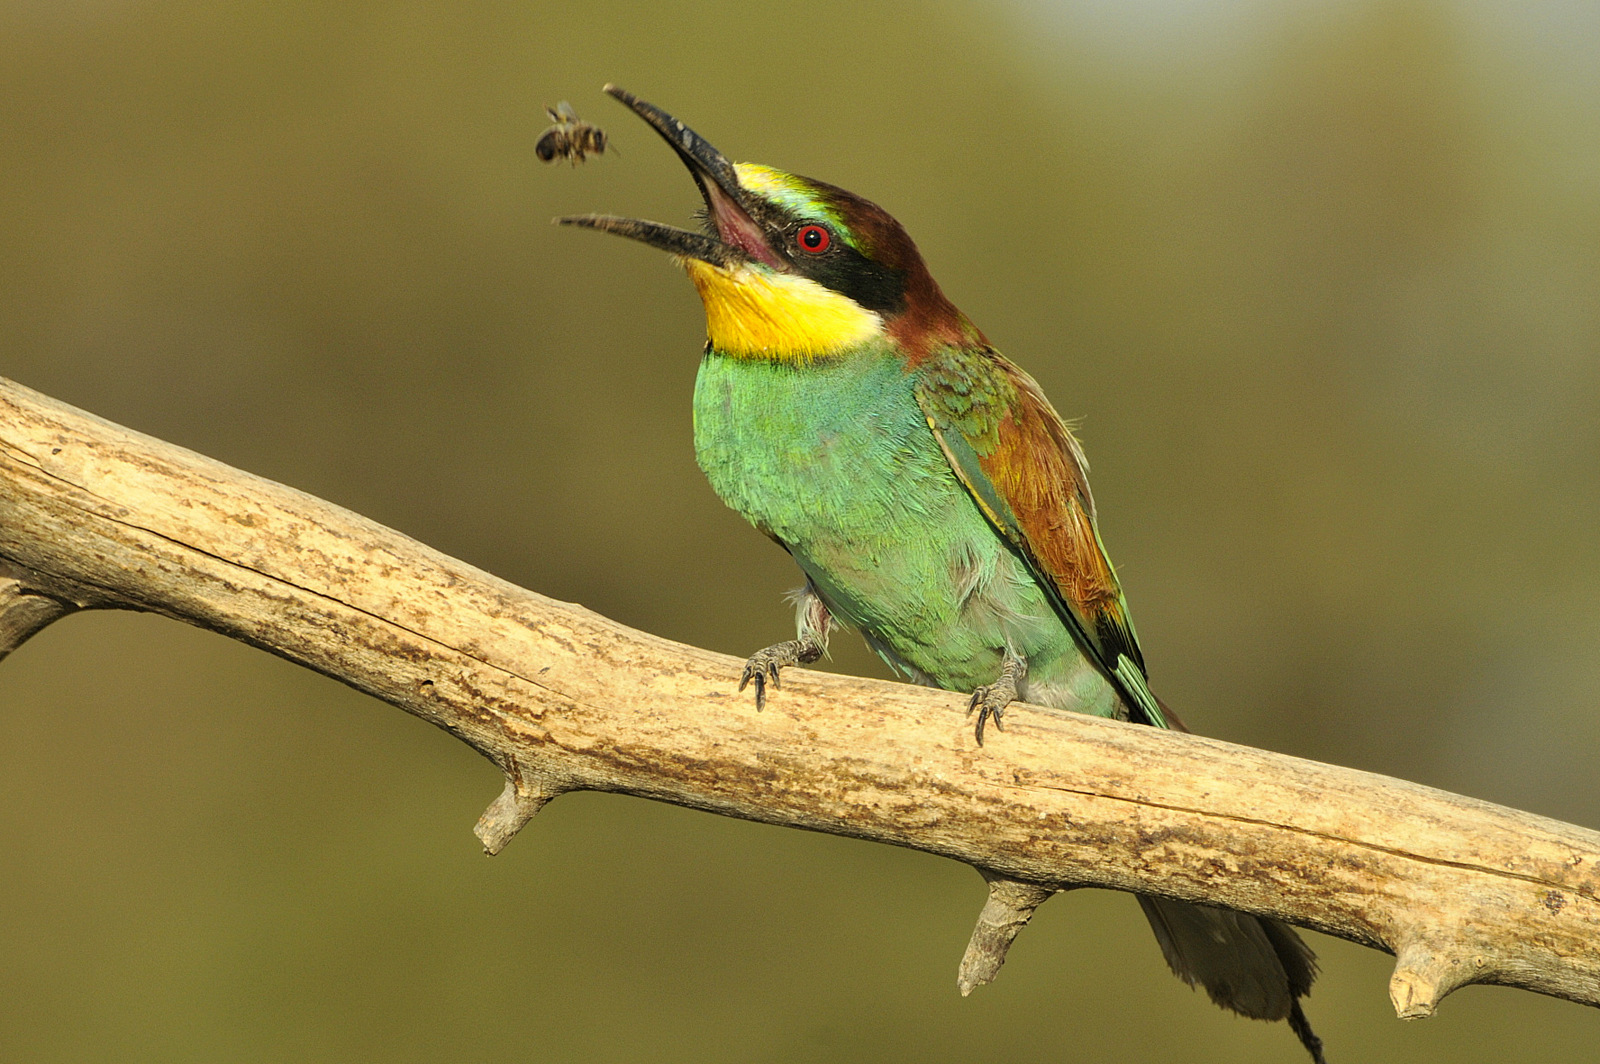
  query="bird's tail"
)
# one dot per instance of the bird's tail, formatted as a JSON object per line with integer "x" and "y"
{"x": 1255, "y": 966}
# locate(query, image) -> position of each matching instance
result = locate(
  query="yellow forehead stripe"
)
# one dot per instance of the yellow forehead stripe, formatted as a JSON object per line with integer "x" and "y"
{"x": 758, "y": 313}
{"x": 758, "y": 178}
{"x": 793, "y": 194}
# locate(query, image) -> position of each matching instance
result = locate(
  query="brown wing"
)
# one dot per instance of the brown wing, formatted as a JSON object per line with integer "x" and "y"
{"x": 1027, "y": 473}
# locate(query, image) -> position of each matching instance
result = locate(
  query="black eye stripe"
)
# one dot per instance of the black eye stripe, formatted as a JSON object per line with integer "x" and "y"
{"x": 836, "y": 265}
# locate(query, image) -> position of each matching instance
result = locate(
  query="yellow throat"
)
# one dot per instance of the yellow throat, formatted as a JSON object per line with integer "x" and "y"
{"x": 753, "y": 312}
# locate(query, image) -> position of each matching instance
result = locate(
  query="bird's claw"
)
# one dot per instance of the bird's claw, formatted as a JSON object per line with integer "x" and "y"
{"x": 991, "y": 699}
{"x": 764, "y": 665}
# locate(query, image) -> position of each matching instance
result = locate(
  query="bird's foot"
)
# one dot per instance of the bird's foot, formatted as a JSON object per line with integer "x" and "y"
{"x": 991, "y": 700}
{"x": 764, "y": 665}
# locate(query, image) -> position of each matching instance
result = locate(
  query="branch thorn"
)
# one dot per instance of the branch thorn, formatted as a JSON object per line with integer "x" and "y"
{"x": 23, "y": 613}
{"x": 510, "y": 812}
{"x": 1009, "y": 907}
{"x": 1425, "y": 971}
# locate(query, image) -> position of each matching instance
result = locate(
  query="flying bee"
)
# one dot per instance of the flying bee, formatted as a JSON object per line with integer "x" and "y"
{"x": 569, "y": 138}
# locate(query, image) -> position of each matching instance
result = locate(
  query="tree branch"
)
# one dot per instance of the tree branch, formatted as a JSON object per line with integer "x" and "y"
{"x": 96, "y": 516}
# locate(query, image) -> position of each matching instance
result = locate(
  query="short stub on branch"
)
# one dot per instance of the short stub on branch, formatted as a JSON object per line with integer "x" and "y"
{"x": 1427, "y": 967}
{"x": 1009, "y": 907}
{"x": 24, "y": 611}
{"x": 524, "y": 795}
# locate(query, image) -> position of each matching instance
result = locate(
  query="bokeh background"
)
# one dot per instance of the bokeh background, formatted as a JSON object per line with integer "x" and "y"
{"x": 1322, "y": 281}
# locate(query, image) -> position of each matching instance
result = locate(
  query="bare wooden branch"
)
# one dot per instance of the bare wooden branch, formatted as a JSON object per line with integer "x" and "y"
{"x": 561, "y": 699}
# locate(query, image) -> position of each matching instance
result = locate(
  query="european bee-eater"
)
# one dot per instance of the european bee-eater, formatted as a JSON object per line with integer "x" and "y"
{"x": 930, "y": 493}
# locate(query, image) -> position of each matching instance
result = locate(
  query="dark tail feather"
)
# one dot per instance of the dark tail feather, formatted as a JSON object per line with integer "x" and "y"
{"x": 1257, "y": 967}
{"x": 1302, "y": 1030}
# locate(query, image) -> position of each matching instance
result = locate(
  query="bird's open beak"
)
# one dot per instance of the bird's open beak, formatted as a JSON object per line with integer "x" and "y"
{"x": 738, "y": 237}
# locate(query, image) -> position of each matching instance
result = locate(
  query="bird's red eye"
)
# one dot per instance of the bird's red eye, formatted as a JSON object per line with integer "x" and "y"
{"x": 813, "y": 238}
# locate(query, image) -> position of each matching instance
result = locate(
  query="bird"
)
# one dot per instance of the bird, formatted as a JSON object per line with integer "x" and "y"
{"x": 931, "y": 495}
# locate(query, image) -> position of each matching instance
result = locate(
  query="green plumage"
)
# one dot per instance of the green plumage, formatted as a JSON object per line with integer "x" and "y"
{"x": 835, "y": 460}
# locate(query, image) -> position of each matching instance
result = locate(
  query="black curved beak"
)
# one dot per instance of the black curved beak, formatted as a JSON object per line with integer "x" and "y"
{"x": 738, "y": 237}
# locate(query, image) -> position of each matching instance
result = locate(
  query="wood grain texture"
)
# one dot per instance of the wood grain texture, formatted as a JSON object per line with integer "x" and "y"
{"x": 96, "y": 516}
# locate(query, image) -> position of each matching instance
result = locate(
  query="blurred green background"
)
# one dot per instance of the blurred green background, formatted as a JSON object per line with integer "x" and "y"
{"x": 1322, "y": 281}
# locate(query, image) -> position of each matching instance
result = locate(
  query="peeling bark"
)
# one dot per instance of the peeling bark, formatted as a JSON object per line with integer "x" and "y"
{"x": 560, "y": 698}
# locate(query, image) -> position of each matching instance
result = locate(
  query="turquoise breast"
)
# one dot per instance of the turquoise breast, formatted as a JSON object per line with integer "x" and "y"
{"x": 835, "y": 461}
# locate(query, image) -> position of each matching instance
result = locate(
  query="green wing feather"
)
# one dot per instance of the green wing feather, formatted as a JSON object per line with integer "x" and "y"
{"x": 1007, "y": 444}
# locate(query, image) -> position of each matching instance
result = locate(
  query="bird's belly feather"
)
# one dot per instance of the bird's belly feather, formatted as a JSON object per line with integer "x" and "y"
{"x": 836, "y": 462}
